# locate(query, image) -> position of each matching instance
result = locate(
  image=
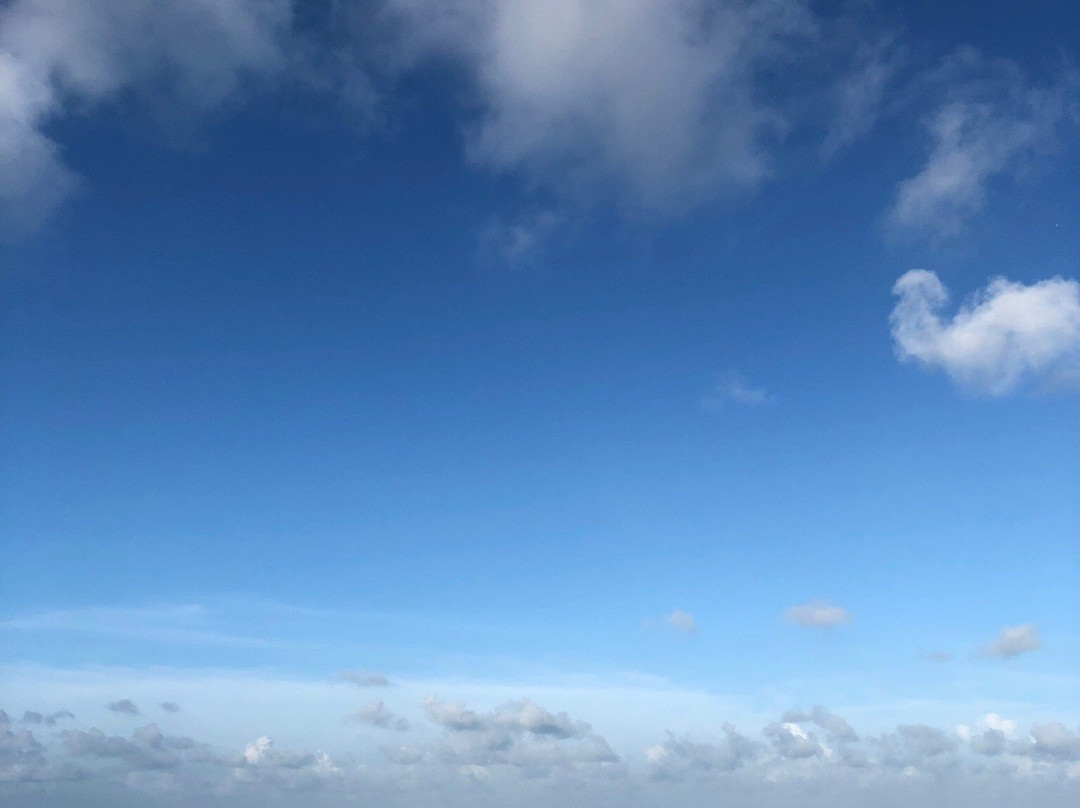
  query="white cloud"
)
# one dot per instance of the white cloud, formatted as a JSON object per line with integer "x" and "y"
{"x": 659, "y": 100}
{"x": 62, "y": 55}
{"x": 733, "y": 388}
{"x": 990, "y": 121}
{"x": 1004, "y": 335}
{"x": 682, "y": 621}
{"x": 817, "y": 614}
{"x": 1014, "y": 641}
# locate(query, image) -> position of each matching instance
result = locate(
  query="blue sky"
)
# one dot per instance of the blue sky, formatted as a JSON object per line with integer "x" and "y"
{"x": 560, "y": 351}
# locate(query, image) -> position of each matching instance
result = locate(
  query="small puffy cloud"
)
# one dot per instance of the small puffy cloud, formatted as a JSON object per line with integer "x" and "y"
{"x": 1014, "y": 641}
{"x": 682, "y": 621}
{"x": 375, "y": 714}
{"x": 732, "y": 388}
{"x": 515, "y": 717}
{"x": 1007, "y": 333}
{"x": 936, "y": 656}
{"x": 364, "y": 678}
{"x": 170, "y": 706}
{"x": 48, "y": 719}
{"x": 817, "y": 614}
{"x": 519, "y": 240}
{"x": 124, "y": 707}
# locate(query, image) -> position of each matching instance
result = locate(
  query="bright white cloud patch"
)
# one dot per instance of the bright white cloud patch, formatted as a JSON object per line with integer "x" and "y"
{"x": 1014, "y": 641}
{"x": 817, "y": 614}
{"x": 1004, "y": 335}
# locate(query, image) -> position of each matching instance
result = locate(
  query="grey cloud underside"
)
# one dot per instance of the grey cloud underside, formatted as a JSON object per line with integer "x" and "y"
{"x": 123, "y": 707}
{"x": 522, "y": 754}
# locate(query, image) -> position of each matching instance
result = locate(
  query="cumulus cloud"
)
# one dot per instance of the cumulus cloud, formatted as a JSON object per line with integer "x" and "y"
{"x": 1006, "y": 334}
{"x": 124, "y": 707}
{"x": 57, "y": 56}
{"x": 170, "y": 706}
{"x": 678, "y": 757}
{"x": 660, "y": 101}
{"x": 47, "y": 719}
{"x": 375, "y": 714}
{"x": 519, "y": 735}
{"x": 989, "y": 122}
{"x": 834, "y": 725}
{"x": 1014, "y": 641}
{"x": 817, "y": 614}
{"x": 521, "y": 752}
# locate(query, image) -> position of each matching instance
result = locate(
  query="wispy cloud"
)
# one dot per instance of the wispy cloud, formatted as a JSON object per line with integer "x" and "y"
{"x": 364, "y": 678}
{"x": 732, "y": 388}
{"x": 990, "y": 121}
{"x": 817, "y": 614}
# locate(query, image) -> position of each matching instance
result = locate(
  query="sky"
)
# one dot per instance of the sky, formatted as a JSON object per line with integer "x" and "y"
{"x": 520, "y": 403}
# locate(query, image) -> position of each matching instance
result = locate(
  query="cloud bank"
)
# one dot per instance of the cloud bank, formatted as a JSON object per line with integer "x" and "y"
{"x": 519, "y": 753}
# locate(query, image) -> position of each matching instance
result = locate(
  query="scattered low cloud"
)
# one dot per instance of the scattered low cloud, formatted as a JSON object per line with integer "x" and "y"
{"x": 676, "y": 619}
{"x": 170, "y": 706}
{"x": 375, "y": 714}
{"x": 834, "y": 725}
{"x": 732, "y": 388}
{"x": 124, "y": 707}
{"x": 817, "y": 614}
{"x": 813, "y": 758}
{"x": 936, "y": 656}
{"x": 520, "y": 240}
{"x": 1007, "y": 334}
{"x": 1014, "y": 641}
{"x": 682, "y": 621}
{"x": 46, "y": 719}
{"x": 364, "y": 678}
